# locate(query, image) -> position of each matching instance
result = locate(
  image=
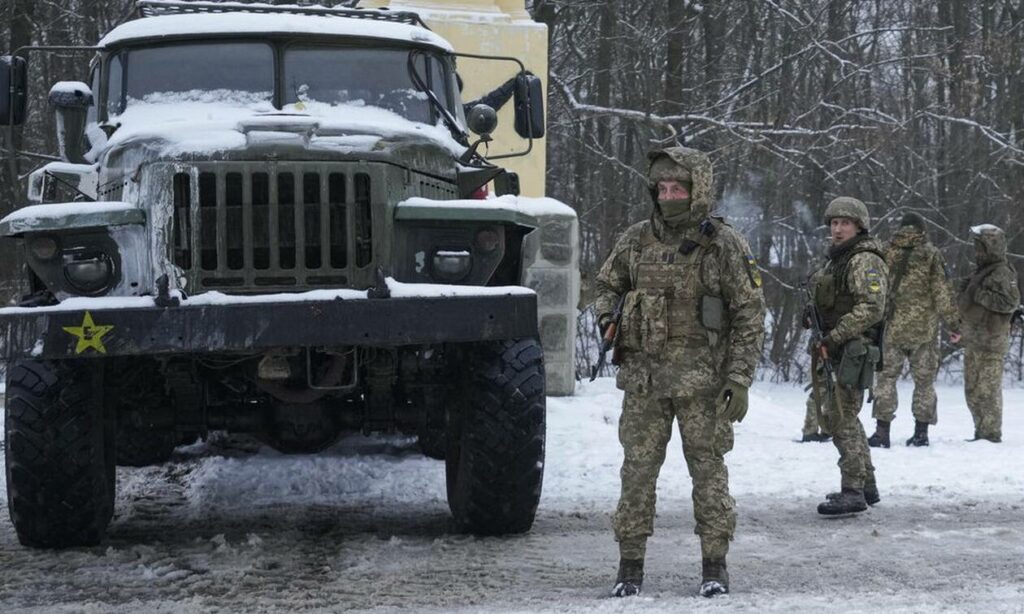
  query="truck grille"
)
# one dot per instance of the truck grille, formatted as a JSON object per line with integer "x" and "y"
{"x": 291, "y": 227}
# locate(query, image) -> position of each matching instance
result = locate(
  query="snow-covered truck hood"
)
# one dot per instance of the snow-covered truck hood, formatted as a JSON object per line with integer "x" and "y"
{"x": 197, "y": 124}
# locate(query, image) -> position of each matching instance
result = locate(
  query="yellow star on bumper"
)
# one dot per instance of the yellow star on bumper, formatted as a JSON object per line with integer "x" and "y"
{"x": 89, "y": 335}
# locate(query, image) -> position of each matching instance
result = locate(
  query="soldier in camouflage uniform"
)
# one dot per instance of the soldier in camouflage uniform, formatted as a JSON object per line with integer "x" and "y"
{"x": 919, "y": 294}
{"x": 849, "y": 293}
{"x": 987, "y": 301}
{"x": 688, "y": 344}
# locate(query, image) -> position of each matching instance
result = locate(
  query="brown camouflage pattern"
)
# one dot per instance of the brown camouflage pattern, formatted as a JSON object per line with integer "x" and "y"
{"x": 644, "y": 431}
{"x": 671, "y": 365}
{"x": 983, "y": 388}
{"x": 923, "y": 297}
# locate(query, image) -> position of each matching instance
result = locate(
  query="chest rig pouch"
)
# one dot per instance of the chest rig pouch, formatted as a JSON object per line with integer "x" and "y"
{"x": 857, "y": 364}
{"x": 670, "y": 303}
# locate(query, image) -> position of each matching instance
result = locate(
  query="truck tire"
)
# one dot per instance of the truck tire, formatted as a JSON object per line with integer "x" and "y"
{"x": 60, "y": 466}
{"x": 495, "y": 461}
{"x": 141, "y": 447}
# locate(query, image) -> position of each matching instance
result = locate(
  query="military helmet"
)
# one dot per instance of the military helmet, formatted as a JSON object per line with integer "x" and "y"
{"x": 847, "y": 206}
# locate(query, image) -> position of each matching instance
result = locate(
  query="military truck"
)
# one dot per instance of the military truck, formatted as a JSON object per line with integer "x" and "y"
{"x": 270, "y": 220}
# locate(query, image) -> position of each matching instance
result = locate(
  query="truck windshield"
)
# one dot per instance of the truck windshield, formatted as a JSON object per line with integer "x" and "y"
{"x": 217, "y": 72}
{"x": 354, "y": 76}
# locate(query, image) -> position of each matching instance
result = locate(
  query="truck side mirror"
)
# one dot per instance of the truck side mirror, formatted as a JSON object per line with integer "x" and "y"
{"x": 529, "y": 106}
{"x": 482, "y": 119}
{"x": 71, "y": 101}
{"x": 13, "y": 88}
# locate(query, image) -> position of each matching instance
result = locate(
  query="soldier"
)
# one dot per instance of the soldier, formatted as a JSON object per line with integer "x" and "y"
{"x": 987, "y": 301}
{"x": 813, "y": 430}
{"x": 919, "y": 294}
{"x": 689, "y": 342}
{"x": 849, "y": 293}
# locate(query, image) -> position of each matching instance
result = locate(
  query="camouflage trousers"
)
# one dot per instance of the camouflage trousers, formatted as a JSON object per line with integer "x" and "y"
{"x": 924, "y": 365}
{"x": 983, "y": 387}
{"x": 645, "y": 429}
{"x": 811, "y": 423}
{"x": 848, "y": 435}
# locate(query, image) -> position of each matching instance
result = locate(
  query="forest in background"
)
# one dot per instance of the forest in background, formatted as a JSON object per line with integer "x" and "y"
{"x": 906, "y": 105}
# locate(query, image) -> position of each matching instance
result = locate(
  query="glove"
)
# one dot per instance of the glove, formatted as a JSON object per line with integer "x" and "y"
{"x": 732, "y": 401}
{"x": 831, "y": 347}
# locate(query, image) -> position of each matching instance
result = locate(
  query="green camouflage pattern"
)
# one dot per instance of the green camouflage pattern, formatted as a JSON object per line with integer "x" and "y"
{"x": 644, "y": 431}
{"x": 924, "y": 366}
{"x": 983, "y": 388}
{"x": 925, "y": 294}
{"x": 852, "y": 296}
{"x": 693, "y": 166}
{"x": 923, "y": 297}
{"x": 989, "y": 296}
{"x": 673, "y": 361}
{"x": 865, "y": 283}
{"x": 846, "y": 206}
{"x": 842, "y": 420}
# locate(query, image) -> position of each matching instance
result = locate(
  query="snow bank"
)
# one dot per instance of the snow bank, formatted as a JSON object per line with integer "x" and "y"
{"x": 582, "y": 468}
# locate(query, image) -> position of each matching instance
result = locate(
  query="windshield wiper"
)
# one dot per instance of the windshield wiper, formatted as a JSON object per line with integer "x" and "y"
{"x": 458, "y": 133}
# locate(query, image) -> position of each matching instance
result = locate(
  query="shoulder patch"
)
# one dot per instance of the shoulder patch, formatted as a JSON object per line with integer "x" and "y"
{"x": 753, "y": 272}
{"x": 874, "y": 279}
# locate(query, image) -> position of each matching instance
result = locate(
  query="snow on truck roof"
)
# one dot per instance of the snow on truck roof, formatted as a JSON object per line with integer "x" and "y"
{"x": 236, "y": 23}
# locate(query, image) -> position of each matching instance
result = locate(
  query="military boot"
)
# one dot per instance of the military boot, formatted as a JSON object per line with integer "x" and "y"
{"x": 920, "y": 437}
{"x": 714, "y": 578}
{"x": 881, "y": 437}
{"x": 630, "y": 578}
{"x": 815, "y": 437}
{"x": 871, "y": 496}
{"x": 849, "y": 501}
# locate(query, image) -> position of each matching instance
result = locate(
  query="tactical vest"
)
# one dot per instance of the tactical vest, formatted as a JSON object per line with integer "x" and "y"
{"x": 832, "y": 294}
{"x": 671, "y": 302}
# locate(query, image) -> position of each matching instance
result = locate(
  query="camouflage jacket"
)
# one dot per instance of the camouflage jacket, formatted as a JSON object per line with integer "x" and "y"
{"x": 922, "y": 295}
{"x": 850, "y": 289}
{"x": 986, "y": 301}
{"x": 670, "y": 341}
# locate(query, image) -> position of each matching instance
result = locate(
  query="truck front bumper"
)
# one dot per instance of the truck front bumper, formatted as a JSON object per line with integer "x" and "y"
{"x": 56, "y": 333}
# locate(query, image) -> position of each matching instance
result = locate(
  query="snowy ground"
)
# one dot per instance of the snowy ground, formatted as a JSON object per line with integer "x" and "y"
{"x": 231, "y": 526}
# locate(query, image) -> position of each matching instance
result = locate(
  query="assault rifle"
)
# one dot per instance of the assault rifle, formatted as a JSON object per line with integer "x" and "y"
{"x": 817, "y": 326}
{"x": 608, "y": 341}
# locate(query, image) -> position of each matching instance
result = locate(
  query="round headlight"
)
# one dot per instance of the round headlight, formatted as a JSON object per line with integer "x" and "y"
{"x": 451, "y": 265}
{"x": 88, "y": 272}
{"x": 43, "y": 248}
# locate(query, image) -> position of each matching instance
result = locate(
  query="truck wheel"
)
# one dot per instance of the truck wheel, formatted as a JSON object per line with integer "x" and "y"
{"x": 60, "y": 469}
{"x": 141, "y": 448}
{"x": 495, "y": 462}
